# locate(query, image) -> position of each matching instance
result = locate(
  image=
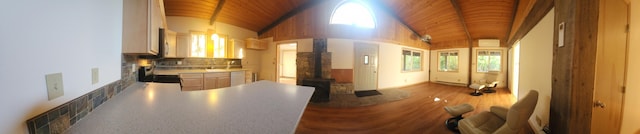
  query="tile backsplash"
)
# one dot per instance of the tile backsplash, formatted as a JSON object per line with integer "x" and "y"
{"x": 197, "y": 63}
{"x": 59, "y": 119}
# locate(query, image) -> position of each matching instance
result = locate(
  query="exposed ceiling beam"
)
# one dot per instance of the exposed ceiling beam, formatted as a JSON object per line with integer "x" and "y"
{"x": 216, "y": 12}
{"x": 466, "y": 31}
{"x": 538, "y": 11}
{"x": 459, "y": 12}
{"x": 513, "y": 18}
{"x": 290, "y": 14}
{"x": 393, "y": 14}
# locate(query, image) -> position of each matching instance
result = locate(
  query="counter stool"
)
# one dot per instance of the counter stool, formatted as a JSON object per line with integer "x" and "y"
{"x": 477, "y": 88}
{"x": 456, "y": 112}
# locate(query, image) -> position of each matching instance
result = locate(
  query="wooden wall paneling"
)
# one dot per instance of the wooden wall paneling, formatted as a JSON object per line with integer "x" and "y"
{"x": 293, "y": 12}
{"x": 314, "y": 23}
{"x": 450, "y": 44}
{"x": 574, "y": 66}
{"x": 538, "y": 11}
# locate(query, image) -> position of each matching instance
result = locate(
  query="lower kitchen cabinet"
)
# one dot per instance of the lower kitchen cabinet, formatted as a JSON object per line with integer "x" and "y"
{"x": 211, "y": 80}
{"x": 224, "y": 82}
{"x": 216, "y": 80}
{"x": 191, "y": 81}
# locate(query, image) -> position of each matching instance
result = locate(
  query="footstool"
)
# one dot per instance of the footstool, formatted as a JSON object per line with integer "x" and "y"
{"x": 456, "y": 112}
{"x": 477, "y": 88}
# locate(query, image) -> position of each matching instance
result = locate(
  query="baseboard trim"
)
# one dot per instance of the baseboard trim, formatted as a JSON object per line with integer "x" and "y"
{"x": 405, "y": 85}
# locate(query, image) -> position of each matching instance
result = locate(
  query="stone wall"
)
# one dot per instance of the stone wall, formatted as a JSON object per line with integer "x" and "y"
{"x": 304, "y": 66}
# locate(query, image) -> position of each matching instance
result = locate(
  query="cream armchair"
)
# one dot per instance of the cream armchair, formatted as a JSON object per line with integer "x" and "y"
{"x": 500, "y": 120}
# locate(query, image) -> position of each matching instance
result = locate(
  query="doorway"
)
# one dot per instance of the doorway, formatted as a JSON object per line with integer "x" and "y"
{"x": 610, "y": 68}
{"x": 515, "y": 78}
{"x": 287, "y": 63}
{"x": 365, "y": 66}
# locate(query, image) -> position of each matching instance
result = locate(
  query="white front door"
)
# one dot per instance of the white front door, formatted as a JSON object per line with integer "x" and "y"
{"x": 366, "y": 66}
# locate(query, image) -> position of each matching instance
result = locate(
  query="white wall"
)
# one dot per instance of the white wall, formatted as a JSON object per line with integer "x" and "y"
{"x": 630, "y": 117}
{"x": 479, "y": 77}
{"x": 510, "y": 70}
{"x": 40, "y": 37}
{"x": 463, "y": 66}
{"x": 536, "y": 59}
{"x": 390, "y": 73}
{"x": 342, "y": 58}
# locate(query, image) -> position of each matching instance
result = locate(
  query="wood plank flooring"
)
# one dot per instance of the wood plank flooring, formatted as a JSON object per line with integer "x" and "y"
{"x": 417, "y": 114}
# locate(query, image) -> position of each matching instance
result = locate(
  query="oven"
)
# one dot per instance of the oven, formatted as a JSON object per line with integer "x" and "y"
{"x": 145, "y": 74}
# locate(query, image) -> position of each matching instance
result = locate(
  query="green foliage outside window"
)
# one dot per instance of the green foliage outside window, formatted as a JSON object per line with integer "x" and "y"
{"x": 448, "y": 61}
{"x": 411, "y": 60}
{"x": 488, "y": 60}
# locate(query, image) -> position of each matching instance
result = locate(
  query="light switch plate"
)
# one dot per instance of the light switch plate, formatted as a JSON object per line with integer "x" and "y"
{"x": 55, "y": 88}
{"x": 95, "y": 75}
{"x": 561, "y": 28}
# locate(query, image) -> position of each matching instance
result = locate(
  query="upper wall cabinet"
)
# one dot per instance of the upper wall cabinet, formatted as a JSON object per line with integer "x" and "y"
{"x": 170, "y": 48}
{"x": 252, "y": 43}
{"x": 142, "y": 20}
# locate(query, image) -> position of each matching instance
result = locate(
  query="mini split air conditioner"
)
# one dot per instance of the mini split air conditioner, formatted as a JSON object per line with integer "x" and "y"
{"x": 489, "y": 43}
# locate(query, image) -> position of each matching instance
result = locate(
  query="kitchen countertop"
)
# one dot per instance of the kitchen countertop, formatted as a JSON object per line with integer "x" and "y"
{"x": 179, "y": 71}
{"x": 260, "y": 107}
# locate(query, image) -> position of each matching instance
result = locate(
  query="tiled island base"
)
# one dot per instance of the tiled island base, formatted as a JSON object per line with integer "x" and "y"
{"x": 59, "y": 119}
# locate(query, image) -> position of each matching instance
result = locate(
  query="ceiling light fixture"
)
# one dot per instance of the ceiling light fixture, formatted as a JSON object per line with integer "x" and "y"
{"x": 426, "y": 38}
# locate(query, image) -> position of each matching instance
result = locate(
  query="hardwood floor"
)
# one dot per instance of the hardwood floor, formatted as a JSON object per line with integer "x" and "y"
{"x": 416, "y": 114}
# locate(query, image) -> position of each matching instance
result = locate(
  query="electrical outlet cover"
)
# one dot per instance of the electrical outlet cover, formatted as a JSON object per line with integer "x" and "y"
{"x": 95, "y": 75}
{"x": 55, "y": 88}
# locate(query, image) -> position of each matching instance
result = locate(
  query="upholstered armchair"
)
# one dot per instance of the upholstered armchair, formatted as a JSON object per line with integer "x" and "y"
{"x": 500, "y": 120}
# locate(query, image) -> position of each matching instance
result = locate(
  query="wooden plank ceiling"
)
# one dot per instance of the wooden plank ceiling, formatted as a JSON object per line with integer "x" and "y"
{"x": 485, "y": 19}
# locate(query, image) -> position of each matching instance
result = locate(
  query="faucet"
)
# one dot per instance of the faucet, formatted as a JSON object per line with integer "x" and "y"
{"x": 229, "y": 64}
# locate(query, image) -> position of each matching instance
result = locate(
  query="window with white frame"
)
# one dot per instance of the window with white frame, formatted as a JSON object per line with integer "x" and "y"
{"x": 411, "y": 60}
{"x": 219, "y": 45}
{"x": 489, "y": 60}
{"x": 448, "y": 61}
{"x": 353, "y": 13}
{"x": 198, "y": 44}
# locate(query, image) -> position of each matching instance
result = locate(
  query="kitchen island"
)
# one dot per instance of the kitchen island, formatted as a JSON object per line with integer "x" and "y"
{"x": 260, "y": 107}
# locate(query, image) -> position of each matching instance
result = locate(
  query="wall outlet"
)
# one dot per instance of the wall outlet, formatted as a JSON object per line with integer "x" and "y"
{"x": 95, "y": 75}
{"x": 133, "y": 68}
{"x": 55, "y": 88}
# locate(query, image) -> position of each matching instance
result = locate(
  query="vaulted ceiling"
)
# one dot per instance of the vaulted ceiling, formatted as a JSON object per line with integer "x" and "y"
{"x": 444, "y": 20}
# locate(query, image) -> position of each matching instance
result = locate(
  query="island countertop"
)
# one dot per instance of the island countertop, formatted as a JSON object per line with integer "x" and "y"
{"x": 260, "y": 107}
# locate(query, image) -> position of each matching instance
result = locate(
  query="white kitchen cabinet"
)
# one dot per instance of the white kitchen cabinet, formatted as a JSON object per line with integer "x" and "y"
{"x": 252, "y": 43}
{"x": 238, "y": 47}
{"x": 142, "y": 20}
{"x": 183, "y": 42}
{"x": 237, "y": 78}
{"x": 171, "y": 47}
